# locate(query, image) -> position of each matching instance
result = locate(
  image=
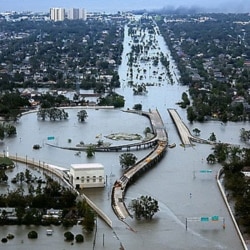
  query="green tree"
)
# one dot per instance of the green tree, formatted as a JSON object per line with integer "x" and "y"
{"x": 196, "y": 131}
{"x": 52, "y": 114}
{"x": 20, "y": 212}
{"x": 127, "y": 160}
{"x": 81, "y": 208}
{"x": 82, "y": 115}
{"x": 245, "y": 135}
{"x": 140, "y": 89}
{"x": 32, "y": 235}
{"x": 3, "y": 176}
{"x": 6, "y": 162}
{"x": 191, "y": 116}
{"x": 67, "y": 199}
{"x": 31, "y": 216}
{"x": 69, "y": 236}
{"x": 90, "y": 151}
{"x": 1, "y": 132}
{"x": 185, "y": 100}
{"x": 235, "y": 154}
{"x": 79, "y": 238}
{"x": 112, "y": 99}
{"x": 211, "y": 158}
{"x": 144, "y": 207}
{"x": 212, "y": 137}
{"x": 16, "y": 199}
{"x": 42, "y": 114}
{"x": 20, "y": 177}
{"x": 3, "y": 217}
{"x": 10, "y": 129}
{"x": 28, "y": 175}
{"x": 137, "y": 106}
{"x": 147, "y": 130}
{"x": 89, "y": 219}
{"x": 221, "y": 152}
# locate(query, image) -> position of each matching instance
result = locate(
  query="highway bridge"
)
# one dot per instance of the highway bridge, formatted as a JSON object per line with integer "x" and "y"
{"x": 120, "y": 186}
{"x": 186, "y": 137}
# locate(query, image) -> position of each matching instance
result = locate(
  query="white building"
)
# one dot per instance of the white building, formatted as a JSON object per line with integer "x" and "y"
{"x": 87, "y": 175}
{"x": 57, "y": 14}
{"x": 73, "y": 14}
{"x": 82, "y": 14}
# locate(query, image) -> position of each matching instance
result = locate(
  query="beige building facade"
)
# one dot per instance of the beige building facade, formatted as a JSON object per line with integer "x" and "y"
{"x": 89, "y": 175}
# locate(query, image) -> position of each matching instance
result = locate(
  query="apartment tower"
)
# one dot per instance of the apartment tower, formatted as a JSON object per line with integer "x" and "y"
{"x": 57, "y": 14}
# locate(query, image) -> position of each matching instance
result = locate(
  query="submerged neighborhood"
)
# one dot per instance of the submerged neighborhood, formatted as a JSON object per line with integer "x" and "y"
{"x": 53, "y": 62}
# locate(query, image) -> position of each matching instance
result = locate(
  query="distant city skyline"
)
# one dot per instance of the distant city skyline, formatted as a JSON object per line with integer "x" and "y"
{"x": 118, "y": 5}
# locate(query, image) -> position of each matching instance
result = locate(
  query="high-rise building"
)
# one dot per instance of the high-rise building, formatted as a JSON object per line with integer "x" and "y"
{"x": 73, "y": 14}
{"x": 82, "y": 14}
{"x": 57, "y": 14}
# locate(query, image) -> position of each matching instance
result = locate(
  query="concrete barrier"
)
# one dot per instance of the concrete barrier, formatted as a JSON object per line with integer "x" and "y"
{"x": 230, "y": 210}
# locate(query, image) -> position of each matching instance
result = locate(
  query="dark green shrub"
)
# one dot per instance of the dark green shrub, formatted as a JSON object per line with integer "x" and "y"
{"x": 79, "y": 238}
{"x": 68, "y": 236}
{"x": 4, "y": 240}
{"x": 10, "y": 236}
{"x": 32, "y": 235}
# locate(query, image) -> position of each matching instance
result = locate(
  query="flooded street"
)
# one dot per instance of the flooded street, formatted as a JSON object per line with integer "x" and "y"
{"x": 177, "y": 182}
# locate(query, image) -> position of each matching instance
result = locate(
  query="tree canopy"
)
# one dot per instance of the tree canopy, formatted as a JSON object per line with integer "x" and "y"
{"x": 82, "y": 115}
{"x": 52, "y": 114}
{"x": 127, "y": 160}
{"x": 144, "y": 207}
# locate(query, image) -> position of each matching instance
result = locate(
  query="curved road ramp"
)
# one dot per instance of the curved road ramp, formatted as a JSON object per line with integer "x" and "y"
{"x": 120, "y": 186}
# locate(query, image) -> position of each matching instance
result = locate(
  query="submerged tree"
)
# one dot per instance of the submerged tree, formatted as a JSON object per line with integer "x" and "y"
{"x": 212, "y": 137}
{"x": 245, "y": 135}
{"x": 127, "y": 160}
{"x": 7, "y": 130}
{"x": 90, "y": 151}
{"x": 52, "y": 114}
{"x": 82, "y": 115}
{"x": 89, "y": 219}
{"x": 144, "y": 207}
{"x": 137, "y": 106}
{"x": 211, "y": 159}
{"x": 69, "y": 236}
{"x": 196, "y": 131}
{"x": 3, "y": 176}
{"x": 88, "y": 214}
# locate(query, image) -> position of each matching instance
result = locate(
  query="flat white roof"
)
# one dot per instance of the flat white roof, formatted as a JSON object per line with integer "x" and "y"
{"x": 87, "y": 166}
{"x": 247, "y": 173}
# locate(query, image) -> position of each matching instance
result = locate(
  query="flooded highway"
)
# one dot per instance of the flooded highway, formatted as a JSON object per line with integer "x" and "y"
{"x": 178, "y": 182}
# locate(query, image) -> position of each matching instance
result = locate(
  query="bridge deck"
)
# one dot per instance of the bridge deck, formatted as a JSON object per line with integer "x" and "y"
{"x": 120, "y": 186}
{"x": 184, "y": 133}
{"x": 181, "y": 127}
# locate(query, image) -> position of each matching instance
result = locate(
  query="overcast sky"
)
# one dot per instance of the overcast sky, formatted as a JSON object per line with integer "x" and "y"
{"x": 124, "y": 5}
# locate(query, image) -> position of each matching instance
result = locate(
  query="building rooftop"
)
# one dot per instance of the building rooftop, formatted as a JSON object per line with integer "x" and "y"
{"x": 87, "y": 166}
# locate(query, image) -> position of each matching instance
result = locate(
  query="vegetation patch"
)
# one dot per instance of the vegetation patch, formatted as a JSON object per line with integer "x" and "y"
{"x": 144, "y": 207}
{"x": 124, "y": 136}
{"x": 32, "y": 235}
{"x": 79, "y": 238}
{"x": 4, "y": 240}
{"x": 6, "y": 162}
{"x": 69, "y": 236}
